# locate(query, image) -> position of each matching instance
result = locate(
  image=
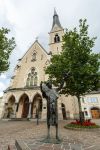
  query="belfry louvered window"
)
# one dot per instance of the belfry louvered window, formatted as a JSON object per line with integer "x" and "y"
{"x": 56, "y": 38}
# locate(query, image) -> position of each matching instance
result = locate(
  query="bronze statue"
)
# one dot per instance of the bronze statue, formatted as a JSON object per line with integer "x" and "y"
{"x": 51, "y": 96}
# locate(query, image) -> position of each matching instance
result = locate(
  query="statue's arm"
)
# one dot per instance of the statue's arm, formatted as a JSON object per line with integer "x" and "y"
{"x": 42, "y": 90}
{"x": 65, "y": 76}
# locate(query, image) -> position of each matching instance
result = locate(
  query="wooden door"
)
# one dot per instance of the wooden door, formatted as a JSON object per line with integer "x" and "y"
{"x": 25, "y": 109}
{"x": 95, "y": 114}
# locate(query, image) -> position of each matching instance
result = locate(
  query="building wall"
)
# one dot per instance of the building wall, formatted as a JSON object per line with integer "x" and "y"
{"x": 55, "y": 48}
{"x": 89, "y": 101}
{"x": 1, "y": 106}
{"x": 26, "y": 63}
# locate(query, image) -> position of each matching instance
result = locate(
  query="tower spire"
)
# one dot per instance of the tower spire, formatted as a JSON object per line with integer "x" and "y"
{"x": 56, "y": 19}
{"x": 55, "y": 13}
{"x": 56, "y": 33}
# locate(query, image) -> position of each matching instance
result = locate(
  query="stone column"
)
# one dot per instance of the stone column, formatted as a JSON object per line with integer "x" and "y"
{"x": 5, "y": 110}
{"x": 15, "y": 108}
{"x": 29, "y": 112}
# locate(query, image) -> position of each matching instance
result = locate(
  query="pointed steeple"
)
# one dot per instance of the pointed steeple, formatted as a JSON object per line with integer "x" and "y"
{"x": 56, "y": 20}
{"x": 55, "y": 35}
{"x": 55, "y": 13}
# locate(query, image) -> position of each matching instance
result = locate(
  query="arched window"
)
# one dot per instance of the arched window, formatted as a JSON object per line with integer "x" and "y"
{"x": 33, "y": 56}
{"x": 32, "y": 78}
{"x": 27, "y": 82}
{"x": 32, "y": 70}
{"x": 56, "y": 38}
{"x": 35, "y": 81}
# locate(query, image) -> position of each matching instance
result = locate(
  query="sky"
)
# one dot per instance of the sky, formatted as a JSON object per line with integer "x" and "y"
{"x": 29, "y": 19}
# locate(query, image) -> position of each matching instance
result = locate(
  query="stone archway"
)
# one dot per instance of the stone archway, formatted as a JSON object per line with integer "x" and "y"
{"x": 36, "y": 106}
{"x": 63, "y": 111}
{"x": 95, "y": 112}
{"x": 23, "y": 108}
{"x": 10, "y": 108}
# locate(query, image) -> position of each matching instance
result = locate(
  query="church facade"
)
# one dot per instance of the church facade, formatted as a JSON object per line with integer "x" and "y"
{"x": 23, "y": 97}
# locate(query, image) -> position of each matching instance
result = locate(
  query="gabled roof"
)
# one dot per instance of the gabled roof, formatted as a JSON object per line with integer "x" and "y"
{"x": 36, "y": 41}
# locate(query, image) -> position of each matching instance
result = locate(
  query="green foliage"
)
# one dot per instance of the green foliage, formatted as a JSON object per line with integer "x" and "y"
{"x": 6, "y": 47}
{"x": 78, "y": 62}
{"x": 73, "y": 126}
{"x": 77, "y": 59}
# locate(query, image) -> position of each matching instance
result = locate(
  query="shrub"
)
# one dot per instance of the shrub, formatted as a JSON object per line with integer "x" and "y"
{"x": 85, "y": 123}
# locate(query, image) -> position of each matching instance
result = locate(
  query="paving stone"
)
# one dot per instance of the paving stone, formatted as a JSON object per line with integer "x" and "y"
{"x": 32, "y": 135}
{"x": 75, "y": 147}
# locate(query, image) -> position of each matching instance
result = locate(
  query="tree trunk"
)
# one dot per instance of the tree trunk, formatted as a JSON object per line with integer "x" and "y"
{"x": 81, "y": 114}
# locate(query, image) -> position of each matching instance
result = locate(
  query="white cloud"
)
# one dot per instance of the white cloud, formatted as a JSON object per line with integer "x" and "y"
{"x": 3, "y": 76}
{"x": 1, "y": 94}
{"x": 2, "y": 86}
{"x": 10, "y": 11}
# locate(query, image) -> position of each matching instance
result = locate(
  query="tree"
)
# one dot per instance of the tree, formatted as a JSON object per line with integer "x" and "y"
{"x": 6, "y": 47}
{"x": 77, "y": 65}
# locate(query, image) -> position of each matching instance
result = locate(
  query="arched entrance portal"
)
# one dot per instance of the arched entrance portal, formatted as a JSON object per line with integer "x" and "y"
{"x": 63, "y": 111}
{"x": 10, "y": 107}
{"x": 23, "y": 108}
{"x": 95, "y": 112}
{"x": 36, "y": 106}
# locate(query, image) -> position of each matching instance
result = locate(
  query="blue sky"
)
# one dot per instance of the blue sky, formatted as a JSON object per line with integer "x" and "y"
{"x": 28, "y": 19}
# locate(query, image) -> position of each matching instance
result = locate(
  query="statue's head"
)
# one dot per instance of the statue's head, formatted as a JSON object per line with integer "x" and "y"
{"x": 49, "y": 84}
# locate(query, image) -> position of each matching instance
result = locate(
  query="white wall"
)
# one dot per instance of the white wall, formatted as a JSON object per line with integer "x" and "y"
{"x": 90, "y": 100}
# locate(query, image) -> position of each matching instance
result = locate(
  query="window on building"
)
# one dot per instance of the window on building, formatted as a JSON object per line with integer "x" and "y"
{"x": 35, "y": 81}
{"x": 92, "y": 99}
{"x": 32, "y": 78}
{"x": 56, "y": 38}
{"x": 27, "y": 81}
{"x": 86, "y": 113}
{"x": 82, "y": 99}
{"x": 32, "y": 70}
{"x": 33, "y": 56}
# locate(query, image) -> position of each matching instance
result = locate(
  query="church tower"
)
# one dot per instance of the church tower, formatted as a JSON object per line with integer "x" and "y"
{"x": 55, "y": 35}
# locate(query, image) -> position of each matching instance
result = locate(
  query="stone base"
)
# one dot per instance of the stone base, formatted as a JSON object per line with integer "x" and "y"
{"x": 46, "y": 144}
{"x": 52, "y": 140}
{"x": 20, "y": 145}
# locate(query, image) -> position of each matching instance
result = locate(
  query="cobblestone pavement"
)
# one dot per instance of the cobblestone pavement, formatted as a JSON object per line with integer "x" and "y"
{"x": 33, "y": 135}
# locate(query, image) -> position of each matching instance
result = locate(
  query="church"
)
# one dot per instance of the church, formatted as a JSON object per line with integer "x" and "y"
{"x": 23, "y": 98}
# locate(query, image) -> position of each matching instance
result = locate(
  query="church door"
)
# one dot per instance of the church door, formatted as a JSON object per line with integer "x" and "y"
{"x": 25, "y": 108}
{"x": 37, "y": 106}
{"x": 63, "y": 111}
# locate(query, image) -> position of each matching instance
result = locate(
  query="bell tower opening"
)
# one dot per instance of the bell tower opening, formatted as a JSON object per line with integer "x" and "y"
{"x": 55, "y": 35}
{"x": 56, "y": 38}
